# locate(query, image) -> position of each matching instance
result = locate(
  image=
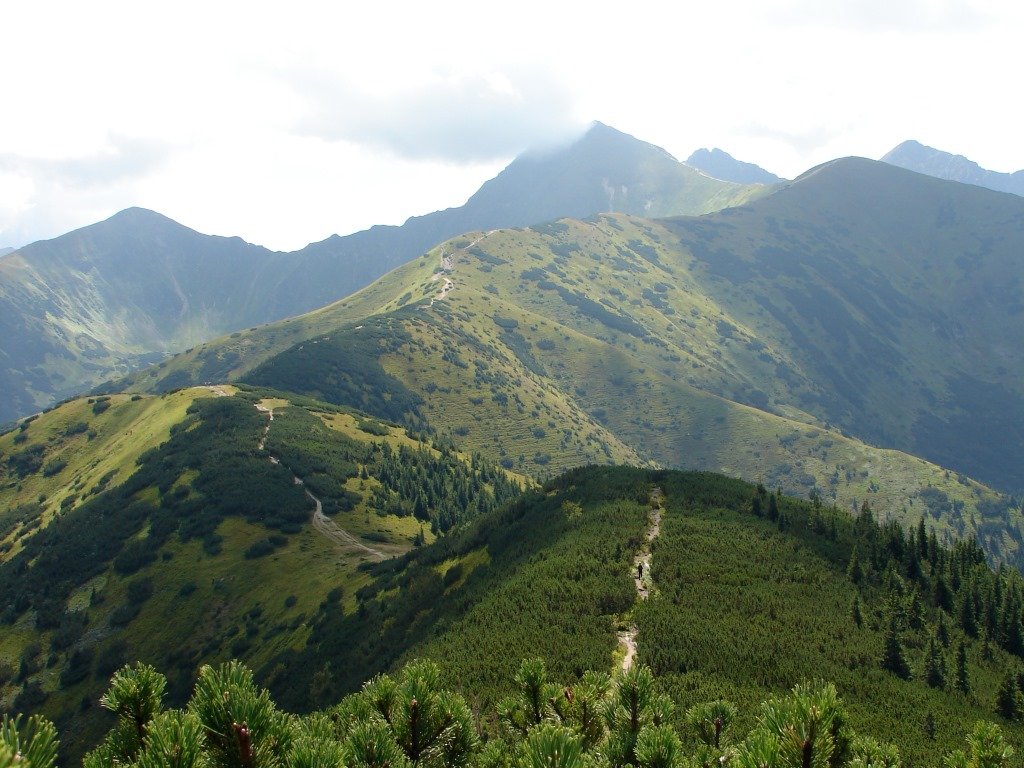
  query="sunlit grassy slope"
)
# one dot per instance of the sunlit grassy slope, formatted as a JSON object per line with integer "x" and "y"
{"x": 605, "y": 340}
{"x": 191, "y": 565}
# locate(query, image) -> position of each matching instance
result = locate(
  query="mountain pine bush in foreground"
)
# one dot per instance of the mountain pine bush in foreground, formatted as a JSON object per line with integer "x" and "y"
{"x": 413, "y": 720}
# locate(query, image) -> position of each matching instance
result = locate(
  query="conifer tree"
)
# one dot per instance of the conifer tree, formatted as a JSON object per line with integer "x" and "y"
{"x": 855, "y": 612}
{"x": 854, "y": 570}
{"x": 894, "y": 658}
{"x": 985, "y": 749}
{"x": 915, "y": 611}
{"x": 963, "y": 682}
{"x": 432, "y": 727}
{"x": 711, "y": 721}
{"x": 531, "y": 705}
{"x": 808, "y": 725}
{"x": 32, "y": 743}
{"x": 553, "y": 746}
{"x": 935, "y": 665}
{"x": 866, "y": 752}
{"x": 1008, "y": 698}
{"x": 942, "y": 630}
{"x": 135, "y": 696}
{"x": 633, "y": 704}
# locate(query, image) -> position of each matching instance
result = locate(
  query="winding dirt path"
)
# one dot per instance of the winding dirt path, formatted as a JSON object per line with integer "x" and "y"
{"x": 322, "y": 524}
{"x": 642, "y": 577}
{"x": 447, "y": 267}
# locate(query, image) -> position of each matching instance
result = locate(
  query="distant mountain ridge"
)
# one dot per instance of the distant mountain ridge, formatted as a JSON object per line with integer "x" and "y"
{"x": 915, "y": 156}
{"x": 722, "y": 165}
{"x": 5, "y": 250}
{"x": 105, "y": 299}
{"x": 858, "y": 301}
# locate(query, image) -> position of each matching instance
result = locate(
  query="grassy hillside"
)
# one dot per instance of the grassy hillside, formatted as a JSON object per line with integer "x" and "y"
{"x": 53, "y": 463}
{"x": 743, "y": 606}
{"x": 895, "y": 299}
{"x": 749, "y": 592}
{"x": 600, "y": 341}
{"x": 195, "y": 546}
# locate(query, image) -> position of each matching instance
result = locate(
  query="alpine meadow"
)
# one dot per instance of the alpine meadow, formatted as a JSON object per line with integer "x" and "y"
{"x": 626, "y": 461}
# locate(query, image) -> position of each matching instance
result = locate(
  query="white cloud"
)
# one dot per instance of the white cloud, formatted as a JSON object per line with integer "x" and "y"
{"x": 284, "y": 124}
{"x": 458, "y": 118}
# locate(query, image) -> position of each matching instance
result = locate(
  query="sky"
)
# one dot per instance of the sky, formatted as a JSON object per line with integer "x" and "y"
{"x": 284, "y": 123}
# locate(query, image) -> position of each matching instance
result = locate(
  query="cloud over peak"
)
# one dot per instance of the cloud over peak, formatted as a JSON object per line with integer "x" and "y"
{"x": 456, "y": 118}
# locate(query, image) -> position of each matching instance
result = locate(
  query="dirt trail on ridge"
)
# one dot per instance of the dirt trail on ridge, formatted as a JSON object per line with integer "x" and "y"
{"x": 322, "y": 524}
{"x": 642, "y": 577}
{"x": 446, "y": 268}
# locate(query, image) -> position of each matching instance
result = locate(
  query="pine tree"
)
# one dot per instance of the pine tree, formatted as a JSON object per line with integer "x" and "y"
{"x": 33, "y": 743}
{"x": 711, "y": 721}
{"x": 633, "y": 704}
{"x": 855, "y": 612}
{"x": 985, "y": 749}
{"x": 135, "y": 696}
{"x": 942, "y": 596}
{"x": 915, "y": 611}
{"x": 894, "y": 658}
{"x": 967, "y": 616}
{"x": 854, "y": 570}
{"x": 942, "y": 630}
{"x": 809, "y": 726}
{"x": 935, "y": 665}
{"x": 1008, "y": 698}
{"x": 963, "y": 681}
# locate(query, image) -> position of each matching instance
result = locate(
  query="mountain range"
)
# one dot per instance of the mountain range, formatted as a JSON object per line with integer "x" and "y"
{"x": 915, "y": 156}
{"x": 421, "y": 468}
{"x": 117, "y": 295}
{"x": 859, "y": 305}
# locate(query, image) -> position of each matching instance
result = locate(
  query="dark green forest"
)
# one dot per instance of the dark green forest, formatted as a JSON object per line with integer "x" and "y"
{"x": 754, "y": 592}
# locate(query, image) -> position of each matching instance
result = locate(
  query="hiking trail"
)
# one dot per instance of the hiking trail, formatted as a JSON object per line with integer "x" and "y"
{"x": 322, "y": 524}
{"x": 446, "y": 268}
{"x": 642, "y": 576}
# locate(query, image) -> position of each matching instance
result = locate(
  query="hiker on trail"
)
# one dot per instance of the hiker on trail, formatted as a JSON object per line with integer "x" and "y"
{"x": 639, "y": 570}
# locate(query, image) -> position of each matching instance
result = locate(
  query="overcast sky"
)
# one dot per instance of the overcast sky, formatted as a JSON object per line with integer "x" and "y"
{"x": 286, "y": 122}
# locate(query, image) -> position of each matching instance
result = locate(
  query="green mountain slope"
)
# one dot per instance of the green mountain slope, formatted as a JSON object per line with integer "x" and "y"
{"x": 122, "y": 293}
{"x": 621, "y": 339}
{"x": 109, "y": 298}
{"x": 747, "y": 594}
{"x": 741, "y": 606}
{"x": 895, "y": 299}
{"x": 194, "y": 546}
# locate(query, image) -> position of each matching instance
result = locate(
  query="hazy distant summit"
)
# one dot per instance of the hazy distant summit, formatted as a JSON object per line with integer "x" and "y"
{"x": 108, "y": 298}
{"x": 722, "y": 165}
{"x": 915, "y": 156}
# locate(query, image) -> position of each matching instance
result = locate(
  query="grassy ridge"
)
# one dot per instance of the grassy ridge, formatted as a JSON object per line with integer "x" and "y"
{"x": 759, "y": 341}
{"x": 515, "y": 365}
{"x": 204, "y": 552}
{"x": 744, "y": 607}
{"x": 95, "y": 442}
